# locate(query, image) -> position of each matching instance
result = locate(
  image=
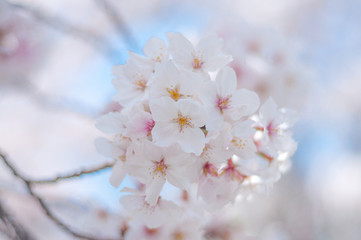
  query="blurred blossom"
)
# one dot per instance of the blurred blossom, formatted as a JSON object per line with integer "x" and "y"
{"x": 20, "y": 49}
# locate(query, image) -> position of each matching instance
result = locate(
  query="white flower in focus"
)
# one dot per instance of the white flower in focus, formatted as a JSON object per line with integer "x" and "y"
{"x": 170, "y": 82}
{"x": 140, "y": 122}
{"x": 223, "y": 97}
{"x": 131, "y": 82}
{"x": 116, "y": 150}
{"x": 154, "y": 166}
{"x": 179, "y": 122}
{"x": 155, "y": 50}
{"x": 207, "y": 56}
{"x": 242, "y": 143}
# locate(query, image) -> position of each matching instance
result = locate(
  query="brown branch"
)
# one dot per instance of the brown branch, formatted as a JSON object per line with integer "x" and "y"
{"x": 96, "y": 41}
{"x": 76, "y": 174}
{"x": 49, "y": 214}
{"x": 12, "y": 229}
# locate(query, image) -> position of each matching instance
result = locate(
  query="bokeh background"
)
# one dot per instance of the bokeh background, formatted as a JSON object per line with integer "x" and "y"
{"x": 55, "y": 80}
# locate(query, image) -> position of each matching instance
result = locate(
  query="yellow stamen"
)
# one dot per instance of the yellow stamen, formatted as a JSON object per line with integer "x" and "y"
{"x": 183, "y": 121}
{"x": 174, "y": 93}
{"x": 197, "y": 63}
{"x": 141, "y": 84}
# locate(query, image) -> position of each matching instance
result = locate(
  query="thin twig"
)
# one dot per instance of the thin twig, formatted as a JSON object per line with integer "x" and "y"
{"x": 13, "y": 229}
{"x": 97, "y": 42}
{"x": 41, "y": 202}
{"x": 73, "y": 175}
{"x": 119, "y": 23}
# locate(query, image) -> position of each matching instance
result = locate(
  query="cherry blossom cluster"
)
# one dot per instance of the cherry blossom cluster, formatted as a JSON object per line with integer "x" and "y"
{"x": 184, "y": 121}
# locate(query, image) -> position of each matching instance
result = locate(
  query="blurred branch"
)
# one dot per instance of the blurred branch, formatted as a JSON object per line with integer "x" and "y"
{"x": 59, "y": 103}
{"x": 121, "y": 27}
{"x": 11, "y": 228}
{"x": 76, "y": 174}
{"x": 97, "y": 42}
{"x": 49, "y": 214}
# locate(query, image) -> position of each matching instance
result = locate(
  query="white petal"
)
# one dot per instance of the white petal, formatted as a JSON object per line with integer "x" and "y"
{"x": 108, "y": 148}
{"x": 192, "y": 140}
{"x": 210, "y": 46}
{"x": 211, "y": 49}
{"x": 244, "y": 129}
{"x": 112, "y": 123}
{"x": 244, "y": 103}
{"x": 268, "y": 111}
{"x": 138, "y": 60}
{"x": 226, "y": 82}
{"x": 165, "y": 134}
{"x": 163, "y": 109}
{"x": 244, "y": 147}
{"x": 153, "y": 190}
{"x": 138, "y": 125}
{"x": 156, "y": 49}
{"x": 193, "y": 109}
{"x": 181, "y": 50}
{"x": 118, "y": 174}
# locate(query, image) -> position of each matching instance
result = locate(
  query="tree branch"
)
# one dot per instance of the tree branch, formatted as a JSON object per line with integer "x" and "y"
{"x": 12, "y": 229}
{"x": 75, "y": 174}
{"x": 97, "y": 42}
{"x": 49, "y": 214}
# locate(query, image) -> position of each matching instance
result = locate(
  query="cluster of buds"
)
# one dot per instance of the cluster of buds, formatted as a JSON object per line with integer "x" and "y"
{"x": 184, "y": 121}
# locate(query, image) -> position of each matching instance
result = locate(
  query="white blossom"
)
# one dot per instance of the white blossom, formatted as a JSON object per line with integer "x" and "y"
{"x": 179, "y": 122}
{"x": 207, "y": 56}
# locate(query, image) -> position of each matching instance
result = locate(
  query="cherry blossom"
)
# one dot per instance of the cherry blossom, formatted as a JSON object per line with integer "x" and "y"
{"x": 223, "y": 97}
{"x": 179, "y": 122}
{"x": 154, "y": 166}
{"x": 169, "y": 81}
{"x": 207, "y": 56}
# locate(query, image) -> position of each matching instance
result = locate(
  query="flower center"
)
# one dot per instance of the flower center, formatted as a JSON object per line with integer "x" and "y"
{"x": 209, "y": 168}
{"x": 159, "y": 168}
{"x": 183, "y": 122}
{"x": 231, "y": 171}
{"x": 174, "y": 93}
{"x": 158, "y": 59}
{"x": 197, "y": 63}
{"x": 240, "y": 143}
{"x": 141, "y": 84}
{"x": 223, "y": 103}
{"x": 272, "y": 129}
{"x": 149, "y": 126}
